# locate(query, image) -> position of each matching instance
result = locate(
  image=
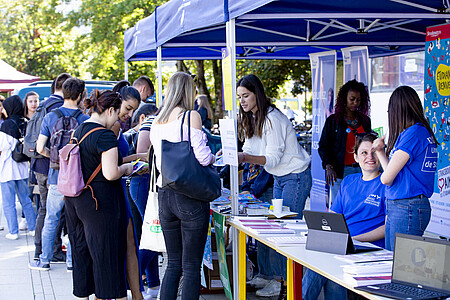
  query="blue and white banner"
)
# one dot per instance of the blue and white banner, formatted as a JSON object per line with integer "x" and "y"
{"x": 323, "y": 74}
{"x": 356, "y": 64}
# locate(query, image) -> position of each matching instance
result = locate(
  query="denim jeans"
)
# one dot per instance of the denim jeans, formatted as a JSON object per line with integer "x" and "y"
{"x": 139, "y": 192}
{"x": 55, "y": 203}
{"x": 293, "y": 189}
{"x": 334, "y": 189}
{"x": 410, "y": 216}
{"x": 9, "y": 191}
{"x": 313, "y": 282}
{"x": 184, "y": 223}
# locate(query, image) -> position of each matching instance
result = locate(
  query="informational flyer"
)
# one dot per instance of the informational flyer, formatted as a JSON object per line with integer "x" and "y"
{"x": 229, "y": 141}
{"x": 436, "y": 108}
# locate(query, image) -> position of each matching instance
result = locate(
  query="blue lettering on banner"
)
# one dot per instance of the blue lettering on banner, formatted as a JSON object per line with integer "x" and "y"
{"x": 430, "y": 160}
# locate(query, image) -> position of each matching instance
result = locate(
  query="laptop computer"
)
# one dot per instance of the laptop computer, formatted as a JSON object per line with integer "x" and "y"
{"x": 328, "y": 222}
{"x": 420, "y": 270}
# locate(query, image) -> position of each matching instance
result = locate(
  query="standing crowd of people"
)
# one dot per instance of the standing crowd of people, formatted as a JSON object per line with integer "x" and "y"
{"x": 116, "y": 128}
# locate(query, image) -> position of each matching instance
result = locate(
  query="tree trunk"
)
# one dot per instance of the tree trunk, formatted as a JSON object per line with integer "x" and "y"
{"x": 201, "y": 81}
{"x": 217, "y": 73}
{"x": 181, "y": 67}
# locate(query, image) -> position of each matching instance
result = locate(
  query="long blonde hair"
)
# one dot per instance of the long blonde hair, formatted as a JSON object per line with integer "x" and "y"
{"x": 180, "y": 93}
{"x": 202, "y": 101}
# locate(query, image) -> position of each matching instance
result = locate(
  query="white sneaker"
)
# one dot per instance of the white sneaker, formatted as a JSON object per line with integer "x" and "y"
{"x": 270, "y": 290}
{"x": 150, "y": 293}
{"x": 23, "y": 225}
{"x": 11, "y": 236}
{"x": 258, "y": 282}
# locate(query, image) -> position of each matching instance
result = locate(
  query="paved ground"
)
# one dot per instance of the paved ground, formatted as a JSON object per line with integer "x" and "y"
{"x": 19, "y": 282}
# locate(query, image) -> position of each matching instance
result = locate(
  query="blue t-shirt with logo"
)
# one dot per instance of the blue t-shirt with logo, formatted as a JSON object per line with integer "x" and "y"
{"x": 417, "y": 176}
{"x": 362, "y": 203}
{"x": 47, "y": 125}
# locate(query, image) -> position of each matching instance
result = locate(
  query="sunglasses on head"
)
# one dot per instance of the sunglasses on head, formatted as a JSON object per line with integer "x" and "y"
{"x": 364, "y": 134}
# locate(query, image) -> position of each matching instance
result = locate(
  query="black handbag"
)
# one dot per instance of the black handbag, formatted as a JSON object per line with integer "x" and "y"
{"x": 182, "y": 173}
{"x": 17, "y": 152}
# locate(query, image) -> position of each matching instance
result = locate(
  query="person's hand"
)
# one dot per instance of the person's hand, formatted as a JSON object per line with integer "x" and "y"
{"x": 330, "y": 176}
{"x": 378, "y": 144}
{"x": 142, "y": 157}
{"x": 128, "y": 168}
{"x": 241, "y": 157}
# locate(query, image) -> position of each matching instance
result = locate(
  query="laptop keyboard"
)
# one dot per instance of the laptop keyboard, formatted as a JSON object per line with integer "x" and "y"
{"x": 410, "y": 291}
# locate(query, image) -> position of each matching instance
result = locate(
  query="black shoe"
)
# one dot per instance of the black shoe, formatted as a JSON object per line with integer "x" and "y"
{"x": 59, "y": 258}
{"x": 283, "y": 292}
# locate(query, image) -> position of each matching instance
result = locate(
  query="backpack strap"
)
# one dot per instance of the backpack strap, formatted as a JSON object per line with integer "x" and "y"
{"x": 76, "y": 114}
{"x": 58, "y": 113}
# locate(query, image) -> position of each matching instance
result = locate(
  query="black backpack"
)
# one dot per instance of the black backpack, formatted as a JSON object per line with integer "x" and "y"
{"x": 33, "y": 128}
{"x": 17, "y": 153}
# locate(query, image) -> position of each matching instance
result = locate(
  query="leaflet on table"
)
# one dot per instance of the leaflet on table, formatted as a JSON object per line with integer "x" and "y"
{"x": 369, "y": 268}
{"x": 367, "y": 280}
{"x": 366, "y": 256}
{"x": 287, "y": 240}
{"x": 266, "y": 227}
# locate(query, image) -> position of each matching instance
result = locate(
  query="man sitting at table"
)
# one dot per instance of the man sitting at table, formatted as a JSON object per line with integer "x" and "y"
{"x": 362, "y": 202}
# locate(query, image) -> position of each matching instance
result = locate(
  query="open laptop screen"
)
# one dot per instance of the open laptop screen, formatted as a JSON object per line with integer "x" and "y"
{"x": 422, "y": 261}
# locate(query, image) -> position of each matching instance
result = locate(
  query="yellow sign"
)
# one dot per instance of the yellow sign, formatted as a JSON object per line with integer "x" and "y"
{"x": 227, "y": 81}
{"x": 443, "y": 80}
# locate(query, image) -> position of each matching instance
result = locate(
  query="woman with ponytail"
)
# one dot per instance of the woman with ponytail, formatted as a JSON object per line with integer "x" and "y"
{"x": 97, "y": 220}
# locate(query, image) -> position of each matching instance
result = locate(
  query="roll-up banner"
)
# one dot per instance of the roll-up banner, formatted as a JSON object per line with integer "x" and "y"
{"x": 436, "y": 107}
{"x": 323, "y": 73}
{"x": 356, "y": 64}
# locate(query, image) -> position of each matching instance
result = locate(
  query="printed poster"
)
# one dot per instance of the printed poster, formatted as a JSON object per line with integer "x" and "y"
{"x": 219, "y": 223}
{"x": 323, "y": 73}
{"x": 436, "y": 108}
{"x": 227, "y": 80}
{"x": 356, "y": 64}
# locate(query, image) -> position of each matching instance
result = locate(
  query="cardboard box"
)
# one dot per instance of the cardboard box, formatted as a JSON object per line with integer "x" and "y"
{"x": 212, "y": 277}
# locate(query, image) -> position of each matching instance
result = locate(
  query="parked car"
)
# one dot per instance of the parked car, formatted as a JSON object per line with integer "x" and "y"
{"x": 43, "y": 88}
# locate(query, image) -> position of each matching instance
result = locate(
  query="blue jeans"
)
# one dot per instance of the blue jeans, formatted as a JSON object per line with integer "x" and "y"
{"x": 184, "y": 223}
{"x": 409, "y": 216}
{"x": 55, "y": 203}
{"x": 334, "y": 189}
{"x": 312, "y": 284}
{"x": 139, "y": 192}
{"x": 9, "y": 191}
{"x": 293, "y": 189}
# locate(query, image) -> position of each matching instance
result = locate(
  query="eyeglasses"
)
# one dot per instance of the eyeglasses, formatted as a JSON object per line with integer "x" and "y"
{"x": 362, "y": 135}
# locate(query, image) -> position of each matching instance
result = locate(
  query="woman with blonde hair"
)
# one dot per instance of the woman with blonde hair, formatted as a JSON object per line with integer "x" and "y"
{"x": 184, "y": 220}
{"x": 204, "y": 109}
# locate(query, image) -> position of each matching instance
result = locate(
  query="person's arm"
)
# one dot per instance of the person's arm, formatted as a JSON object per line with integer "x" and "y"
{"x": 199, "y": 141}
{"x": 143, "y": 142}
{"x": 110, "y": 168}
{"x": 6, "y": 141}
{"x": 141, "y": 156}
{"x": 393, "y": 167}
{"x": 325, "y": 152}
{"x": 253, "y": 159}
{"x": 371, "y": 236}
{"x": 40, "y": 145}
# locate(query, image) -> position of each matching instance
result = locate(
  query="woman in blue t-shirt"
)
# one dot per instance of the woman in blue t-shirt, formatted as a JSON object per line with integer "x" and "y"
{"x": 361, "y": 199}
{"x": 409, "y": 171}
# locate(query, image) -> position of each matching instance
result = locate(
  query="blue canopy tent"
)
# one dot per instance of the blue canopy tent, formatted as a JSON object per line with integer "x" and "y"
{"x": 284, "y": 29}
{"x": 278, "y": 29}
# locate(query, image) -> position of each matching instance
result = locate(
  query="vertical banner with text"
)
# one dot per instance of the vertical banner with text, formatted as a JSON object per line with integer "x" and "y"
{"x": 436, "y": 108}
{"x": 219, "y": 229}
{"x": 226, "y": 78}
{"x": 356, "y": 64}
{"x": 323, "y": 74}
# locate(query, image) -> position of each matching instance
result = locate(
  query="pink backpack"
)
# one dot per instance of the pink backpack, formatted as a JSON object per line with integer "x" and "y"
{"x": 70, "y": 178}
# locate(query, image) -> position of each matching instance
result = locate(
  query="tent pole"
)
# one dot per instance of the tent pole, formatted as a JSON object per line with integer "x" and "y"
{"x": 159, "y": 68}
{"x": 234, "y": 184}
{"x": 126, "y": 70}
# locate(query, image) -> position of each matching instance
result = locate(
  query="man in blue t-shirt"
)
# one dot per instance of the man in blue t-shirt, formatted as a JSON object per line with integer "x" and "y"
{"x": 73, "y": 89}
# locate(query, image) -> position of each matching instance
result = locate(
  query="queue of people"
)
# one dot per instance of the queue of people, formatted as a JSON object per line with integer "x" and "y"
{"x": 115, "y": 130}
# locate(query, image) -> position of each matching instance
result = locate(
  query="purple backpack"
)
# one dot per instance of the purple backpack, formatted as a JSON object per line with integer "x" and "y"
{"x": 62, "y": 131}
{"x": 70, "y": 177}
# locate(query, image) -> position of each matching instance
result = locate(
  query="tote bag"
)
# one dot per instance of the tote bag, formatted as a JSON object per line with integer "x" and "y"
{"x": 152, "y": 237}
{"x": 182, "y": 173}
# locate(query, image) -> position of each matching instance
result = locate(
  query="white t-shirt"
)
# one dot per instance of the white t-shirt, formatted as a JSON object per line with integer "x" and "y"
{"x": 284, "y": 155}
{"x": 9, "y": 168}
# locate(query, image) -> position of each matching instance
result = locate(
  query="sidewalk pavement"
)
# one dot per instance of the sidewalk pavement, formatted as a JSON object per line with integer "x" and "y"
{"x": 19, "y": 282}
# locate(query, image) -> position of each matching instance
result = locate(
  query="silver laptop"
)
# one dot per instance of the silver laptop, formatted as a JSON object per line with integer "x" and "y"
{"x": 421, "y": 270}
